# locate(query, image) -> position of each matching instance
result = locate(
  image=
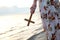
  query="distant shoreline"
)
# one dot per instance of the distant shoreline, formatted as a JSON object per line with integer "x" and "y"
{"x": 14, "y": 10}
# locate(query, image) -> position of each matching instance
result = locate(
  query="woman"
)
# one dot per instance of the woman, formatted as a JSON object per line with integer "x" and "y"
{"x": 43, "y": 10}
{"x": 48, "y": 15}
{"x": 33, "y": 7}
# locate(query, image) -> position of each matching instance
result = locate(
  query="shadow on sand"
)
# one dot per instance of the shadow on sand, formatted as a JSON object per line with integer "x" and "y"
{"x": 39, "y": 36}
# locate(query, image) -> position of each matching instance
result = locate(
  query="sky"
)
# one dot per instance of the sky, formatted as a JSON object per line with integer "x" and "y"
{"x": 18, "y": 3}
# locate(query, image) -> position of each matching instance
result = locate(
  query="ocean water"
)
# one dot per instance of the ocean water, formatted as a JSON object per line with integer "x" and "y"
{"x": 14, "y": 27}
{"x": 14, "y": 10}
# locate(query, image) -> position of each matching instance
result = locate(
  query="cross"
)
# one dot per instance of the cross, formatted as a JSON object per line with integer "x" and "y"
{"x": 29, "y": 20}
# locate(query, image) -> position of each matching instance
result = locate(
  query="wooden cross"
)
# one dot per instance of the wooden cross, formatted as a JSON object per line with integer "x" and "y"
{"x": 29, "y": 20}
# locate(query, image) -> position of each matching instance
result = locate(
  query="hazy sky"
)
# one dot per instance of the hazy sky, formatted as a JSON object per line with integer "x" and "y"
{"x": 18, "y": 3}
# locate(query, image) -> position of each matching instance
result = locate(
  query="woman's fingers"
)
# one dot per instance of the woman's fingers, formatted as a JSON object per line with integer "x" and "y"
{"x": 32, "y": 10}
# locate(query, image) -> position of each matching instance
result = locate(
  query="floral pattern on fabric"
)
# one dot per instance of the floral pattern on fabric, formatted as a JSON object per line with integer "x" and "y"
{"x": 50, "y": 18}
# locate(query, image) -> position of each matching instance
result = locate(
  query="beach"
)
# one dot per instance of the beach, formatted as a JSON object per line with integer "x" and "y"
{"x": 14, "y": 27}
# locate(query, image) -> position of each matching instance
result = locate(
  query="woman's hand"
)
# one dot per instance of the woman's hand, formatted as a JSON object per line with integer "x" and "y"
{"x": 33, "y": 7}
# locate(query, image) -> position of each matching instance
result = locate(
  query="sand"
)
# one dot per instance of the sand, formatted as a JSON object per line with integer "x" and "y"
{"x": 14, "y": 27}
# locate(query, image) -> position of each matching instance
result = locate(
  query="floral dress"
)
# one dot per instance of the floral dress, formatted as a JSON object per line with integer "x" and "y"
{"x": 49, "y": 16}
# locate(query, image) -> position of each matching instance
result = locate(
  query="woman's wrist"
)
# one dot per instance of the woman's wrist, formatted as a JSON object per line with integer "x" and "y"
{"x": 35, "y": 2}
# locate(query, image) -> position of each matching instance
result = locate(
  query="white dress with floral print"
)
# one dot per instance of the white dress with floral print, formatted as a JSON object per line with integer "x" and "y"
{"x": 49, "y": 16}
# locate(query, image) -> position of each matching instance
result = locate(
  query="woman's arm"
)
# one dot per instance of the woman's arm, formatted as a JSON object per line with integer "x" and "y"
{"x": 33, "y": 7}
{"x": 35, "y": 1}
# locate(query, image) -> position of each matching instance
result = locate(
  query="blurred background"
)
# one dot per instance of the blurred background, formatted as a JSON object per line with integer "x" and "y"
{"x": 15, "y": 6}
{"x": 12, "y": 23}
